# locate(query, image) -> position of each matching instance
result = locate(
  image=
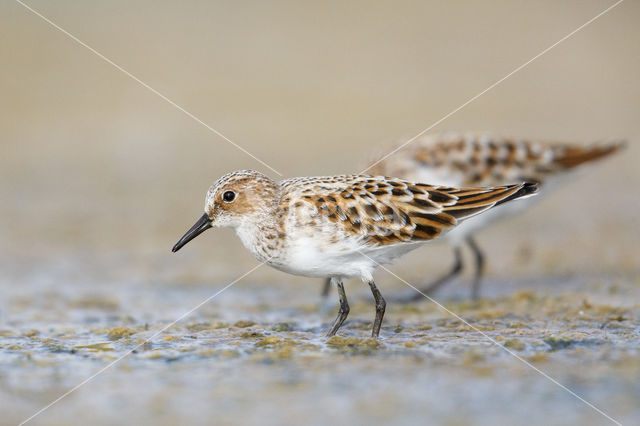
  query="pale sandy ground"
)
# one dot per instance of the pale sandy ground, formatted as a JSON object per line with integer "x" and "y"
{"x": 99, "y": 177}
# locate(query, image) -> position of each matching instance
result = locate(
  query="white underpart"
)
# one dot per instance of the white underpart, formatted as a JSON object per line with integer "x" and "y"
{"x": 314, "y": 256}
{"x": 314, "y": 251}
{"x": 248, "y": 234}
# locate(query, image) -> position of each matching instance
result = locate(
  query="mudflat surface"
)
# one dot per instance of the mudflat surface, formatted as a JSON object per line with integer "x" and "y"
{"x": 256, "y": 354}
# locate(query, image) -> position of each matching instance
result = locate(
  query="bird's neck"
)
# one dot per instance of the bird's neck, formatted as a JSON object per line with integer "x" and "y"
{"x": 261, "y": 236}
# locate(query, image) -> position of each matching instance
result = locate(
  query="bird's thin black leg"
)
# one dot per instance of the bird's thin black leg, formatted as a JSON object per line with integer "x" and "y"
{"x": 343, "y": 311}
{"x": 326, "y": 288}
{"x": 380, "y": 307}
{"x": 431, "y": 288}
{"x": 477, "y": 278}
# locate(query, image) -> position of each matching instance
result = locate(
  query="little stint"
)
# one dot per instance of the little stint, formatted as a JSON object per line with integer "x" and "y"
{"x": 480, "y": 159}
{"x": 339, "y": 227}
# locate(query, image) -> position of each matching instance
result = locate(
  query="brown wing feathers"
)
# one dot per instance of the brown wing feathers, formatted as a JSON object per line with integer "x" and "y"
{"x": 468, "y": 202}
{"x": 396, "y": 211}
{"x": 385, "y": 211}
{"x": 432, "y": 210}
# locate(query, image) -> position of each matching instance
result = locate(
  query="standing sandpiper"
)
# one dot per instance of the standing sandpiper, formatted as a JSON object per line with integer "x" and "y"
{"x": 340, "y": 226}
{"x": 477, "y": 159}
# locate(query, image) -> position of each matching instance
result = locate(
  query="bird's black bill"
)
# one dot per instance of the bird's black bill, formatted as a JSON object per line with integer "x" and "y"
{"x": 201, "y": 225}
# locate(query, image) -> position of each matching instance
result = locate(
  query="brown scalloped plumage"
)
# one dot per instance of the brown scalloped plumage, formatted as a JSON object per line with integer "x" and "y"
{"x": 486, "y": 160}
{"x": 381, "y": 210}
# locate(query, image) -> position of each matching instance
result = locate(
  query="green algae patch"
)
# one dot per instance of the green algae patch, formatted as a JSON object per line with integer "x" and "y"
{"x": 251, "y": 334}
{"x": 472, "y": 358}
{"x": 206, "y": 325}
{"x": 483, "y": 371}
{"x": 282, "y": 353}
{"x": 55, "y": 346}
{"x": 559, "y": 343}
{"x": 538, "y": 357}
{"x": 353, "y": 344}
{"x": 120, "y": 333}
{"x": 244, "y": 324}
{"x": 618, "y": 318}
{"x": 525, "y": 295}
{"x": 515, "y": 344}
{"x": 276, "y": 342}
{"x": 474, "y": 327}
{"x": 282, "y": 326}
{"x": 277, "y": 348}
{"x": 269, "y": 341}
{"x": 97, "y": 347}
{"x": 198, "y": 326}
{"x": 159, "y": 354}
{"x": 448, "y": 323}
{"x": 269, "y": 357}
{"x": 31, "y": 333}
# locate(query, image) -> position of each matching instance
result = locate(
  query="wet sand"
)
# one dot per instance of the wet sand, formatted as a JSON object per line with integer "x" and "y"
{"x": 256, "y": 354}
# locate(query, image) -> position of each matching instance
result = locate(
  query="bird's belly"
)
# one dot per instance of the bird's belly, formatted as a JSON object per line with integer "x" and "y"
{"x": 322, "y": 267}
{"x": 312, "y": 258}
{"x": 317, "y": 257}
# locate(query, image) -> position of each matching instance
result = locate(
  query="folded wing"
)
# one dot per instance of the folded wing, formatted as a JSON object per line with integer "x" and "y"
{"x": 383, "y": 211}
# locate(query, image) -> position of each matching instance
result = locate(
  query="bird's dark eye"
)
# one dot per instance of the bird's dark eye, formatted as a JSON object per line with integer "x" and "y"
{"x": 229, "y": 196}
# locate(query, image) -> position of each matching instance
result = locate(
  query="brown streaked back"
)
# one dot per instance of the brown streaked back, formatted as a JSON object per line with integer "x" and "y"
{"x": 381, "y": 210}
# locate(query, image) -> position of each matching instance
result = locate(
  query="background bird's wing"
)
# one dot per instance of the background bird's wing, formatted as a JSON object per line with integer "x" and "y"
{"x": 486, "y": 160}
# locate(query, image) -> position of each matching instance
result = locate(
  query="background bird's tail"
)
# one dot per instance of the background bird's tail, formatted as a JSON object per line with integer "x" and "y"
{"x": 572, "y": 156}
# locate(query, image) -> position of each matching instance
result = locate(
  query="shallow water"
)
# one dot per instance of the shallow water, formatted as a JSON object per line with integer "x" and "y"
{"x": 255, "y": 353}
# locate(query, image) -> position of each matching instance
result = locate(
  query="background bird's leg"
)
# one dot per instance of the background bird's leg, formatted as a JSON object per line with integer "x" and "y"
{"x": 326, "y": 288}
{"x": 431, "y": 288}
{"x": 479, "y": 256}
{"x": 380, "y": 307}
{"x": 343, "y": 312}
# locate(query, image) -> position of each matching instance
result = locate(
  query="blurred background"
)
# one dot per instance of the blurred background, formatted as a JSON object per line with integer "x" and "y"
{"x": 94, "y": 164}
{"x": 99, "y": 176}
